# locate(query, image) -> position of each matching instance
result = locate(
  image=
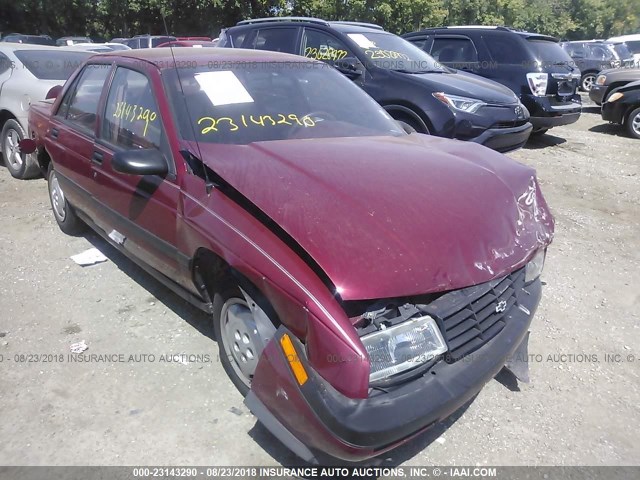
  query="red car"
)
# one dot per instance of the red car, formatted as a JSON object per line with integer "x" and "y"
{"x": 363, "y": 283}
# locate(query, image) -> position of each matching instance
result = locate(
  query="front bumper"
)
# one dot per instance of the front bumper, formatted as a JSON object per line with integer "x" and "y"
{"x": 614, "y": 112}
{"x": 315, "y": 417}
{"x": 505, "y": 139}
{"x": 597, "y": 92}
{"x": 548, "y": 111}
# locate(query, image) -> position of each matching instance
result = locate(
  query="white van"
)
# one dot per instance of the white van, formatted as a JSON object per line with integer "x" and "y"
{"x": 633, "y": 43}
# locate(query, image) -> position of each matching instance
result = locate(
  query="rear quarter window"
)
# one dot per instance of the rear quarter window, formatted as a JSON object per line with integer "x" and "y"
{"x": 506, "y": 50}
{"x": 548, "y": 52}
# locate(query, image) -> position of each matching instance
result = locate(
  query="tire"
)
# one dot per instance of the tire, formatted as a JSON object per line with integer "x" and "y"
{"x": 540, "y": 131}
{"x": 63, "y": 212}
{"x": 410, "y": 126}
{"x": 236, "y": 331}
{"x": 587, "y": 81}
{"x": 633, "y": 123}
{"x": 20, "y": 165}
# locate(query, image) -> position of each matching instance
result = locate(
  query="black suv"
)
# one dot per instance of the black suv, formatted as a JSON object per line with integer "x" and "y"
{"x": 532, "y": 65}
{"x": 593, "y": 57}
{"x": 414, "y": 89}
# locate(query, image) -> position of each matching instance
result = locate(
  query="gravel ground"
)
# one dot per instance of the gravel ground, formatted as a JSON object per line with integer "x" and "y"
{"x": 581, "y": 408}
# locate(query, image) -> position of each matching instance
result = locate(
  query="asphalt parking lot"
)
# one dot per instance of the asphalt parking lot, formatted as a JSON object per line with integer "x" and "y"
{"x": 167, "y": 401}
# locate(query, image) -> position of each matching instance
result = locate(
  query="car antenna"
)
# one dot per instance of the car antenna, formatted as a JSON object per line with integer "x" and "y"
{"x": 186, "y": 153}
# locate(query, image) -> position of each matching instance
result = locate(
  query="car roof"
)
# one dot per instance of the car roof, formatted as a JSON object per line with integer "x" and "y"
{"x": 164, "y": 57}
{"x": 625, "y": 38}
{"x": 340, "y": 25}
{"x": 452, "y": 28}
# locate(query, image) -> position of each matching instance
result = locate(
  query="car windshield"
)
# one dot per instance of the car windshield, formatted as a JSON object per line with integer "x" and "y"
{"x": 549, "y": 52}
{"x": 388, "y": 51}
{"x": 256, "y": 102}
{"x": 51, "y": 65}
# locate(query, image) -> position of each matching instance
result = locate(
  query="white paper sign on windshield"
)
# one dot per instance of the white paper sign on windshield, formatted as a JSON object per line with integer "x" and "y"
{"x": 223, "y": 88}
{"x": 361, "y": 40}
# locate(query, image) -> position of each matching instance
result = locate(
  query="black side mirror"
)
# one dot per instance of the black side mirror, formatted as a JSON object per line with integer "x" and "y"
{"x": 349, "y": 66}
{"x": 146, "y": 161}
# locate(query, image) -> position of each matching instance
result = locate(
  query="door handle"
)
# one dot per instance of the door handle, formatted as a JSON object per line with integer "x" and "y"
{"x": 97, "y": 158}
{"x": 54, "y": 133}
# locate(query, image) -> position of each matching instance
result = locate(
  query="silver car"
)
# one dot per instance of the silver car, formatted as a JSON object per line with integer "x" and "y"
{"x": 27, "y": 73}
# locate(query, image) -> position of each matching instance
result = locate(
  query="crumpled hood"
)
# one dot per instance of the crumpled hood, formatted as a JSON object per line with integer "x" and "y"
{"x": 394, "y": 216}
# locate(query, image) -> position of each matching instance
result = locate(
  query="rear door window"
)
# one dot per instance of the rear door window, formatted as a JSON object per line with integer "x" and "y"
{"x": 80, "y": 106}
{"x": 454, "y": 50}
{"x": 274, "y": 40}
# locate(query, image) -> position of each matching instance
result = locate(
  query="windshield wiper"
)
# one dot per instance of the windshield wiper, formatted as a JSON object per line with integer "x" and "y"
{"x": 403, "y": 70}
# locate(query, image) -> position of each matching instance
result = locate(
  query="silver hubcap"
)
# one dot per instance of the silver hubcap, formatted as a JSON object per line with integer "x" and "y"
{"x": 57, "y": 198}
{"x": 240, "y": 338}
{"x": 12, "y": 149}
{"x": 587, "y": 83}
{"x": 635, "y": 124}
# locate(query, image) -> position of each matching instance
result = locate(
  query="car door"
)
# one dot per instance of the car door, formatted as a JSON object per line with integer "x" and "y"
{"x": 137, "y": 212}
{"x": 71, "y": 135}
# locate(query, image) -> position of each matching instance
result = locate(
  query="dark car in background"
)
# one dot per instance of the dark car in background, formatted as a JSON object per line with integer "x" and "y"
{"x": 609, "y": 80}
{"x": 534, "y": 66}
{"x": 34, "y": 39}
{"x": 623, "y": 107}
{"x": 416, "y": 91}
{"x": 148, "y": 41}
{"x": 591, "y": 57}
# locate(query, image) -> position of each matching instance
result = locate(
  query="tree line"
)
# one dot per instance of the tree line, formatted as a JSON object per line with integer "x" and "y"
{"x": 566, "y": 19}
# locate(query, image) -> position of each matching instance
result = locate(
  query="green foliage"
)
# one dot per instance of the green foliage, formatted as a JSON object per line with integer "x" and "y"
{"x": 570, "y": 19}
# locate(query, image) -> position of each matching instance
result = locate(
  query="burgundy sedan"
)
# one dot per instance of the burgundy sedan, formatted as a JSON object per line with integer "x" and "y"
{"x": 363, "y": 283}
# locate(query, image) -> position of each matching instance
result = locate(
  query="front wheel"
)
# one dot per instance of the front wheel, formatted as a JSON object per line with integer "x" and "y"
{"x": 63, "y": 212}
{"x": 410, "y": 126}
{"x": 633, "y": 123}
{"x": 20, "y": 165}
{"x": 587, "y": 81}
{"x": 242, "y": 330}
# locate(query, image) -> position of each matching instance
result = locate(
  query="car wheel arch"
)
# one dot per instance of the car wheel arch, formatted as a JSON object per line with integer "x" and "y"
{"x": 210, "y": 273}
{"x": 400, "y": 111}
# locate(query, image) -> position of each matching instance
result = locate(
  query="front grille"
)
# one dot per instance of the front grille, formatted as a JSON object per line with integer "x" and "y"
{"x": 469, "y": 318}
{"x": 516, "y": 123}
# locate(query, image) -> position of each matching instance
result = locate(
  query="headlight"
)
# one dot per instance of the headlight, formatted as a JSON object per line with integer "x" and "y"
{"x": 534, "y": 267}
{"x": 600, "y": 79}
{"x": 403, "y": 347}
{"x": 465, "y": 104}
{"x": 615, "y": 96}
{"x": 538, "y": 83}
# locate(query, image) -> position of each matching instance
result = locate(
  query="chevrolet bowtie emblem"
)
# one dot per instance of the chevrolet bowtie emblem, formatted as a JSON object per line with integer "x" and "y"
{"x": 501, "y": 306}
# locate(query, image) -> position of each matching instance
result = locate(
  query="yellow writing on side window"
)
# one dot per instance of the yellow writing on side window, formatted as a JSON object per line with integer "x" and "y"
{"x": 134, "y": 113}
{"x": 324, "y": 53}
{"x": 229, "y": 124}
